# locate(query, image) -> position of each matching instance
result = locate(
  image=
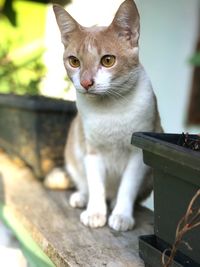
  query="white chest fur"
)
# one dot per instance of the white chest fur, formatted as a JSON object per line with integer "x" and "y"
{"x": 112, "y": 123}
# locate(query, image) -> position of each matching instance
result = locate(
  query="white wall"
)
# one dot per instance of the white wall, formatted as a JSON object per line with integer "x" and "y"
{"x": 168, "y": 39}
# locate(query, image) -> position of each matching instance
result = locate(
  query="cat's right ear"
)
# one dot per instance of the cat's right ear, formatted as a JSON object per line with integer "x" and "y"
{"x": 65, "y": 22}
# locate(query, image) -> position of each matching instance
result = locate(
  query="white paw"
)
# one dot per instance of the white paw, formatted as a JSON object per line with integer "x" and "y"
{"x": 57, "y": 179}
{"x": 120, "y": 222}
{"x": 78, "y": 200}
{"x": 93, "y": 219}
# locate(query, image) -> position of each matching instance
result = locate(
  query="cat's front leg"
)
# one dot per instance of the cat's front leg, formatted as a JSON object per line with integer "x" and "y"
{"x": 96, "y": 213}
{"x": 122, "y": 217}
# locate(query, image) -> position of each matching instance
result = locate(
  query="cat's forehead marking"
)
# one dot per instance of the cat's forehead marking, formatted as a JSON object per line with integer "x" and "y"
{"x": 91, "y": 44}
{"x": 91, "y": 41}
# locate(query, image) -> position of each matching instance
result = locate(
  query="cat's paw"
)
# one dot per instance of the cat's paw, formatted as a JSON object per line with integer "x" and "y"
{"x": 93, "y": 219}
{"x": 78, "y": 200}
{"x": 120, "y": 222}
{"x": 57, "y": 179}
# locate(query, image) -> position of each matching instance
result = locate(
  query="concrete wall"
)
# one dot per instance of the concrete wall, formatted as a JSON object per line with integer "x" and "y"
{"x": 168, "y": 39}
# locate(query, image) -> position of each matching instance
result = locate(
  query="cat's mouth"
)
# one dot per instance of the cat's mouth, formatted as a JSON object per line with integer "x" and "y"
{"x": 92, "y": 93}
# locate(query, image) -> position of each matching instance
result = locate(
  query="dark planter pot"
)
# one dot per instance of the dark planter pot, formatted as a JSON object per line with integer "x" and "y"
{"x": 34, "y": 128}
{"x": 151, "y": 249}
{"x": 176, "y": 171}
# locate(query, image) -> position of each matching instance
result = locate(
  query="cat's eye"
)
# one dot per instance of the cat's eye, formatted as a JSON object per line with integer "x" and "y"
{"x": 74, "y": 62}
{"x": 108, "y": 61}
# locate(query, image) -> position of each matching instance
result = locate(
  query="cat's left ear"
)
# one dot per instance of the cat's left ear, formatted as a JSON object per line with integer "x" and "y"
{"x": 127, "y": 22}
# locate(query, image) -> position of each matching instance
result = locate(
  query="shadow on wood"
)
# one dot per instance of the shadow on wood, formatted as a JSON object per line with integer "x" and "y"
{"x": 55, "y": 227}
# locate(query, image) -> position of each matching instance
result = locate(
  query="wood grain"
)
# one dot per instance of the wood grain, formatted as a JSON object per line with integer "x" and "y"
{"x": 56, "y": 228}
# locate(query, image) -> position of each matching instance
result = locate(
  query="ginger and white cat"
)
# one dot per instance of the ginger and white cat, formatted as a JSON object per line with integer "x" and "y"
{"x": 114, "y": 100}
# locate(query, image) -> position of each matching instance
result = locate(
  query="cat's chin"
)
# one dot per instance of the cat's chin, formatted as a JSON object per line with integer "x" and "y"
{"x": 92, "y": 94}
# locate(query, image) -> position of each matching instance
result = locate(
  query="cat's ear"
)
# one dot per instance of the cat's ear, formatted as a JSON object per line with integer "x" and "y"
{"x": 65, "y": 22}
{"x": 127, "y": 22}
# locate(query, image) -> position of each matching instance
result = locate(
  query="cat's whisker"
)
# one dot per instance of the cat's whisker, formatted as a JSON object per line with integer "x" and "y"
{"x": 110, "y": 92}
{"x": 117, "y": 95}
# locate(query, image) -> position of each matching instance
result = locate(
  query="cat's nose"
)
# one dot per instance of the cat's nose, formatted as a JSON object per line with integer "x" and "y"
{"x": 87, "y": 83}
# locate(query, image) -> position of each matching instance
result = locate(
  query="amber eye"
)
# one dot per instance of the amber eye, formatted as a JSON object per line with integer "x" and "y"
{"x": 108, "y": 61}
{"x": 74, "y": 62}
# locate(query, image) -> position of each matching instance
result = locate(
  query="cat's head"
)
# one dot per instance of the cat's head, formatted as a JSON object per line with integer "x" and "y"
{"x": 101, "y": 60}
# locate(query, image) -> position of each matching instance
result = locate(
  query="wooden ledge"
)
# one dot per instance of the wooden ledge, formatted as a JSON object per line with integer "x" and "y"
{"x": 43, "y": 220}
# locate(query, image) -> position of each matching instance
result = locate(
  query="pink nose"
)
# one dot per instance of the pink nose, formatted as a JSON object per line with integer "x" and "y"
{"x": 87, "y": 84}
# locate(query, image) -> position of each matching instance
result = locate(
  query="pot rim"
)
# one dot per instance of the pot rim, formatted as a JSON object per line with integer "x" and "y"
{"x": 150, "y": 247}
{"x": 36, "y": 103}
{"x": 159, "y": 144}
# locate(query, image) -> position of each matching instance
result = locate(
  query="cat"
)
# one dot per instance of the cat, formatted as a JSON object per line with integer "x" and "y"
{"x": 114, "y": 99}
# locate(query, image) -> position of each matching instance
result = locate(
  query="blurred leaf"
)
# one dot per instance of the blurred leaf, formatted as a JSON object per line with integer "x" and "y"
{"x": 195, "y": 59}
{"x": 9, "y": 12}
{"x": 21, "y": 78}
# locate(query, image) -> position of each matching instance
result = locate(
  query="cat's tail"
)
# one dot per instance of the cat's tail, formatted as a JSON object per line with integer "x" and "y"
{"x": 58, "y": 179}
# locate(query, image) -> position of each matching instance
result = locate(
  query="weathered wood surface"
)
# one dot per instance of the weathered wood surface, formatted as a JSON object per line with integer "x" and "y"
{"x": 56, "y": 228}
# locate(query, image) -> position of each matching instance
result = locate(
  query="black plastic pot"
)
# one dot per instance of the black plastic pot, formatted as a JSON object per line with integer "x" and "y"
{"x": 34, "y": 128}
{"x": 151, "y": 249}
{"x": 176, "y": 179}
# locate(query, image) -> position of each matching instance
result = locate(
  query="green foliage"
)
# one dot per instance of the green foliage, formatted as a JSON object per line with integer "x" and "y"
{"x": 195, "y": 59}
{"x": 21, "y": 42}
{"x": 23, "y": 78}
